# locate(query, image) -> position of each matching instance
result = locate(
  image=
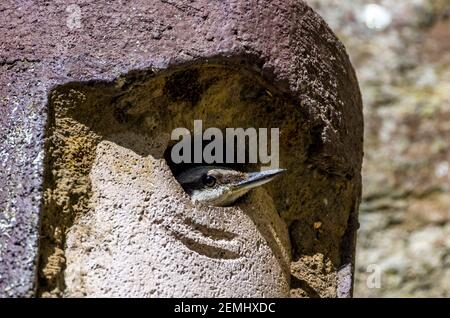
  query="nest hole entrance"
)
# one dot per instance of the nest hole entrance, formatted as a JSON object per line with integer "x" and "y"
{"x": 138, "y": 112}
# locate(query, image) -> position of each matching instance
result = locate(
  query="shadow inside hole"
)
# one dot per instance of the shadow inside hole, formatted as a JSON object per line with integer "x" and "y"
{"x": 178, "y": 167}
{"x": 220, "y": 153}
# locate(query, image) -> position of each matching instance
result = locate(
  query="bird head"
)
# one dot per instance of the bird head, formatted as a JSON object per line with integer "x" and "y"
{"x": 222, "y": 186}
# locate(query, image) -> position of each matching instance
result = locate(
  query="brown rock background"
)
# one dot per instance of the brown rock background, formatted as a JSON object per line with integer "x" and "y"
{"x": 403, "y": 69}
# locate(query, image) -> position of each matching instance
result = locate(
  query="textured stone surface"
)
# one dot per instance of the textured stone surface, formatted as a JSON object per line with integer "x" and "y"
{"x": 140, "y": 243}
{"x": 116, "y": 222}
{"x": 285, "y": 42}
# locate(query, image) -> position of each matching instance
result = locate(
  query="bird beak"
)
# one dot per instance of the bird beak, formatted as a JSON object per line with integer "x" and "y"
{"x": 255, "y": 179}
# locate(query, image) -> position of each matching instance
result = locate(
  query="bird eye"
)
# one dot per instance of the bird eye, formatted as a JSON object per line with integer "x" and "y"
{"x": 209, "y": 181}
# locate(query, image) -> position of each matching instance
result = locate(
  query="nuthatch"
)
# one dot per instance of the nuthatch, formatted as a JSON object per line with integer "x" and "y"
{"x": 222, "y": 186}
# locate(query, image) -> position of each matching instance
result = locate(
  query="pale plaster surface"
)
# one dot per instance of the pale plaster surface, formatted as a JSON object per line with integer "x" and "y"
{"x": 141, "y": 238}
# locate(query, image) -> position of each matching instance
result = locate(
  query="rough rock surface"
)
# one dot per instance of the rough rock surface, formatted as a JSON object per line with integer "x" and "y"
{"x": 48, "y": 44}
{"x": 401, "y": 53}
